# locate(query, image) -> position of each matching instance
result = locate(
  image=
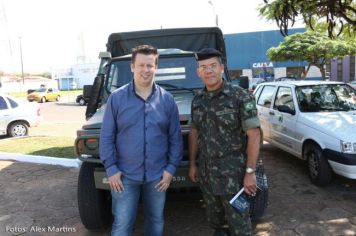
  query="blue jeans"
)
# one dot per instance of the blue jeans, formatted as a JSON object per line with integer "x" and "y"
{"x": 124, "y": 208}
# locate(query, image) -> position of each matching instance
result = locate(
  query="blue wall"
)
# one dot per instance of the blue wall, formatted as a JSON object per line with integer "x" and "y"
{"x": 244, "y": 49}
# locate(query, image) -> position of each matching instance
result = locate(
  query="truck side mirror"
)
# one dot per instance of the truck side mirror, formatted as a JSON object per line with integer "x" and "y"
{"x": 94, "y": 94}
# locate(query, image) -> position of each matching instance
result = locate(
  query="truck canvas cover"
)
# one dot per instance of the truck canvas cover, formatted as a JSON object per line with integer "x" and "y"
{"x": 187, "y": 39}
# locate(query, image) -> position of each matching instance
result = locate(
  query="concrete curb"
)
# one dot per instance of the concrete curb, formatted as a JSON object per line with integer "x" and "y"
{"x": 66, "y": 162}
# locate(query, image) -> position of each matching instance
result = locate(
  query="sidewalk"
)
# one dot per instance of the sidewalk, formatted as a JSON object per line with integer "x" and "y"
{"x": 44, "y": 196}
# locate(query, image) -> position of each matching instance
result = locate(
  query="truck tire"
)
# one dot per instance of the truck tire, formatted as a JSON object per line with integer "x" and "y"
{"x": 94, "y": 204}
{"x": 320, "y": 172}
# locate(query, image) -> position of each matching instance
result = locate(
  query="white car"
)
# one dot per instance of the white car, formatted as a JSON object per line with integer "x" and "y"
{"x": 16, "y": 116}
{"x": 353, "y": 84}
{"x": 313, "y": 120}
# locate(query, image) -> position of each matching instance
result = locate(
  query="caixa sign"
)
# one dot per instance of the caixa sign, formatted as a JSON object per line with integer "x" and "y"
{"x": 262, "y": 64}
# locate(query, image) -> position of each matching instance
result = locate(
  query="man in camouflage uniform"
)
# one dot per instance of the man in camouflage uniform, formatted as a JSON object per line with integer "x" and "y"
{"x": 225, "y": 133}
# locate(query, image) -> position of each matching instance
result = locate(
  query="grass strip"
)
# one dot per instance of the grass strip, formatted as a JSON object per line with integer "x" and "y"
{"x": 40, "y": 146}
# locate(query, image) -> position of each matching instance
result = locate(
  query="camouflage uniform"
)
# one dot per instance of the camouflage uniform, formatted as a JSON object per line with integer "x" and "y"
{"x": 222, "y": 118}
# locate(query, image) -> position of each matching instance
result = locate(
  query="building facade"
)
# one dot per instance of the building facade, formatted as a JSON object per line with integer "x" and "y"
{"x": 246, "y": 55}
{"x": 76, "y": 77}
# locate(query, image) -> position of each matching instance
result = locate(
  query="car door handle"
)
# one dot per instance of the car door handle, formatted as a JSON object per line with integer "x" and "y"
{"x": 271, "y": 113}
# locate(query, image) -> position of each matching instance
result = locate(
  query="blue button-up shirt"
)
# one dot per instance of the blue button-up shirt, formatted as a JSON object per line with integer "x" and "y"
{"x": 141, "y": 138}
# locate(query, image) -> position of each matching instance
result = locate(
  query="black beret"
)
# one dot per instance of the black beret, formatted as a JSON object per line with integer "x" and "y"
{"x": 207, "y": 53}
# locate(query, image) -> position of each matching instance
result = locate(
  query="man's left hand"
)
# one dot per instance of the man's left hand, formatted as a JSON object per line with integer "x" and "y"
{"x": 250, "y": 184}
{"x": 163, "y": 185}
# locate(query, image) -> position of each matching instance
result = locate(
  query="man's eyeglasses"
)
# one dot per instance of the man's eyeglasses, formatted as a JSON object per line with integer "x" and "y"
{"x": 204, "y": 68}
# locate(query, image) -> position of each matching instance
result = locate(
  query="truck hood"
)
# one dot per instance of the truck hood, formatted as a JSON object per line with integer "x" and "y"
{"x": 183, "y": 100}
{"x": 341, "y": 125}
{"x": 187, "y": 39}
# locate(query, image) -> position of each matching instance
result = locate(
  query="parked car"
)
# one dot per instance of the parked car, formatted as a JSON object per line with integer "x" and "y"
{"x": 44, "y": 95}
{"x": 16, "y": 117}
{"x": 353, "y": 84}
{"x": 313, "y": 120}
{"x": 83, "y": 99}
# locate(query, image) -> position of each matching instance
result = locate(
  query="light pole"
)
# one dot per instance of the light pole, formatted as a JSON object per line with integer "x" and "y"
{"x": 23, "y": 78}
{"x": 216, "y": 15}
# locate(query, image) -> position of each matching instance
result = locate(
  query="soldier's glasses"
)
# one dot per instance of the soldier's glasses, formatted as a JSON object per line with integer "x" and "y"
{"x": 204, "y": 68}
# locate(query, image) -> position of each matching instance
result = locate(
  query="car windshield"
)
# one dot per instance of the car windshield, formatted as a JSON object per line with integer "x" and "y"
{"x": 326, "y": 97}
{"x": 41, "y": 90}
{"x": 178, "y": 73}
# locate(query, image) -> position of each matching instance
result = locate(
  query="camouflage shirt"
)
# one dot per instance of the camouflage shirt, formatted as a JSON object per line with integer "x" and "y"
{"x": 222, "y": 118}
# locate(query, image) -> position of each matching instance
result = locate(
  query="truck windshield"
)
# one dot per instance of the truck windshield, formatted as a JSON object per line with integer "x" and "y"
{"x": 178, "y": 73}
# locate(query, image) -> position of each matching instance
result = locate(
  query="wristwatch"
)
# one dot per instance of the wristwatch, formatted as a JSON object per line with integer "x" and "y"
{"x": 250, "y": 170}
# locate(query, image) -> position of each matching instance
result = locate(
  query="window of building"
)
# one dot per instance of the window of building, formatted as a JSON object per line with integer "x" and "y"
{"x": 339, "y": 69}
{"x": 328, "y": 69}
{"x": 352, "y": 68}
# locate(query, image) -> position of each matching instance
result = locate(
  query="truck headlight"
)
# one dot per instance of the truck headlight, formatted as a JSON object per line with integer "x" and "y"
{"x": 92, "y": 143}
{"x": 348, "y": 147}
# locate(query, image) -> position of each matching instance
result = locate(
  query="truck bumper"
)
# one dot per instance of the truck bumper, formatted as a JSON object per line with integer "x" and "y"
{"x": 180, "y": 179}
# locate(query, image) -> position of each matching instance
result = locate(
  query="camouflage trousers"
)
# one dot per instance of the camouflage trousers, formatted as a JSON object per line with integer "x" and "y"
{"x": 219, "y": 212}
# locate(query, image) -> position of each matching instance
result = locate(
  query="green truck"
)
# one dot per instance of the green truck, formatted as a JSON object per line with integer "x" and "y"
{"x": 176, "y": 73}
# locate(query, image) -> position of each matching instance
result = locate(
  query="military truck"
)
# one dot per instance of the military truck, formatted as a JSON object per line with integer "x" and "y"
{"x": 176, "y": 73}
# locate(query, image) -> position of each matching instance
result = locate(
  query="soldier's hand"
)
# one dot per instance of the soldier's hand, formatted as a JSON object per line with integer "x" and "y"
{"x": 163, "y": 185}
{"x": 193, "y": 175}
{"x": 116, "y": 183}
{"x": 250, "y": 184}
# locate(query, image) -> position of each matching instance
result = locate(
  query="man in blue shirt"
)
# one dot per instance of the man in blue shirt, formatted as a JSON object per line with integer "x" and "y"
{"x": 140, "y": 145}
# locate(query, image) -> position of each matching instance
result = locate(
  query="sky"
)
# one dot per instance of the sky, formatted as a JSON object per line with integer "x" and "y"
{"x": 55, "y": 34}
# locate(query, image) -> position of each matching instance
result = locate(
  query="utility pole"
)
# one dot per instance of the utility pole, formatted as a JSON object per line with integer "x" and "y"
{"x": 23, "y": 78}
{"x": 215, "y": 14}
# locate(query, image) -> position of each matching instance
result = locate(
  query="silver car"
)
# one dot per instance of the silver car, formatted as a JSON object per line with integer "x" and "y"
{"x": 16, "y": 116}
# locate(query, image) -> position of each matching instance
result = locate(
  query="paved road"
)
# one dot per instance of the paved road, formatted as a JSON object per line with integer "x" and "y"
{"x": 44, "y": 197}
{"x": 60, "y": 118}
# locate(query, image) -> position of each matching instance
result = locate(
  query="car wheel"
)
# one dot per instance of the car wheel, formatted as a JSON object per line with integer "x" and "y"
{"x": 43, "y": 100}
{"x": 82, "y": 102}
{"x": 94, "y": 204}
{"x": 18, "y": 129}
{"x": 58, "y": 98}
{"x": 320, "y": 172}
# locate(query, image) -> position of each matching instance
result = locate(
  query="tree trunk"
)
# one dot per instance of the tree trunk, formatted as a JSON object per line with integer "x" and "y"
{"x": 304, "y": 74}
{"x": 322, "y": 71}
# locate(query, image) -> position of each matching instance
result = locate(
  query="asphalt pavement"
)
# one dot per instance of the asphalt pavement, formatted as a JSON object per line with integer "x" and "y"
{"x": 40, "y": 199}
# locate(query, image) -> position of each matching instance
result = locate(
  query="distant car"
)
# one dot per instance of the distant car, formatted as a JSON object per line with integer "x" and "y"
{"x": 286, "y": 79}
{"x": 313, "y": 120}
{"x": 44, "y": 95}
{"x": 16, "y": 117}
{"x": 353, "y": 84}
{"x": 81, "y": 100}
{"x": 84, "y": 98}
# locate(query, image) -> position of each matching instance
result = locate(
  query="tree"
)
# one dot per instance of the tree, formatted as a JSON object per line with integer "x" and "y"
{"x": 340, "y": 15}
{"x": 313, "y": 47}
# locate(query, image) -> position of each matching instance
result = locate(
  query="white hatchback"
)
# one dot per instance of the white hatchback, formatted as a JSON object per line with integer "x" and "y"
{"x": 17, "y": 116}
{"x": 313, "y": 120}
